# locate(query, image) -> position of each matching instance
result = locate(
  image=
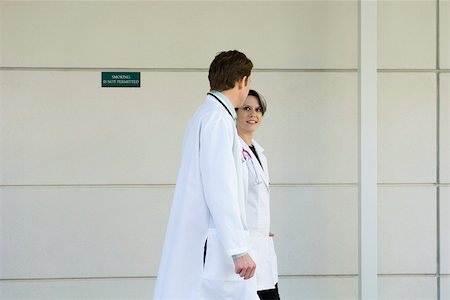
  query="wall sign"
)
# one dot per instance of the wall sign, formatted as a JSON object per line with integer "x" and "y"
{"x": 121, "y": 79}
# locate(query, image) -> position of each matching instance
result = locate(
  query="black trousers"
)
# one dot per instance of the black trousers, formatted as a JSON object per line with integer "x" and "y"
{"x": 271, "y": 294}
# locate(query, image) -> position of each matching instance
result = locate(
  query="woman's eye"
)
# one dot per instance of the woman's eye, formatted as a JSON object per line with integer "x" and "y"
{"x": 247, "y": 108}
{"x": 259, "y": 109}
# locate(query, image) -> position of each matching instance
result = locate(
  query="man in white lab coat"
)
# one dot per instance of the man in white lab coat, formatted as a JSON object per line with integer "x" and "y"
{"x": 209, "y": 205}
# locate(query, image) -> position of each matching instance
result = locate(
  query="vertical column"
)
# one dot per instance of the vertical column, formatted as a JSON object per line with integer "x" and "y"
{"x": 438, "y": 155}
{"x": 367, "y": 84}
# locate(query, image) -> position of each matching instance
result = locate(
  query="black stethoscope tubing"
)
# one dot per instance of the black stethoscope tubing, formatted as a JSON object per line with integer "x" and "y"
{"x": 217, "y": 98}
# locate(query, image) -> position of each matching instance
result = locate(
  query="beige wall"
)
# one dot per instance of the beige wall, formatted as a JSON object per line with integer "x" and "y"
{"x": 87, "y": 173}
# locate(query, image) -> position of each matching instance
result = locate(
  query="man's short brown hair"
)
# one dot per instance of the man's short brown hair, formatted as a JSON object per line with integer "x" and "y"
{"x": 227, "y": 68}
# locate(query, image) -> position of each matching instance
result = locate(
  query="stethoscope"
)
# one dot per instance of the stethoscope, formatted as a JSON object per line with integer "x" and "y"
{"x": 220, "y": 101}
{"x": 248, "y": 157}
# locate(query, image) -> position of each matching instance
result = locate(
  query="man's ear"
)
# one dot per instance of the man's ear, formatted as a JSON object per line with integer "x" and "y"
{"x": 243, "y": 82}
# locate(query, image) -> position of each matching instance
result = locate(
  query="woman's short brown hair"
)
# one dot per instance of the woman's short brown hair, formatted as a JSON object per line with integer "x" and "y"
{"x": 261, "y": 100}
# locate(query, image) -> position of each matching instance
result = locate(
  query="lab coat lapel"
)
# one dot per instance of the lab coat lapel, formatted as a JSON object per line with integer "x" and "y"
{"x": 262, "y": 171}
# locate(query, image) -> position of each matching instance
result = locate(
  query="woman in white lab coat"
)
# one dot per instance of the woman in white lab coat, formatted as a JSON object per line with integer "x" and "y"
{"x": 249, "y": 118}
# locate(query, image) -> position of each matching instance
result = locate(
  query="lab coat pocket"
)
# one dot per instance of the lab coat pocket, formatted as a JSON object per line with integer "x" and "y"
{"x": 218, "y": 265}
{"x": 219, "y": 280}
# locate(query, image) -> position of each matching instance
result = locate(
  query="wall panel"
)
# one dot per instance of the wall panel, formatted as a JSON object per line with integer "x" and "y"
{"x": 315, "y": 230}
{"x": 2, "y": 17}
{"x": 407, "y": 34}
{"x": 406, "y": 230}
{"x": 323, "y": 288}
{"x": 82, "y": 232}
{"x": 86, "y": 289}
{"x": 445, "y": 287}
{"x": 444, "y": 33}
{"x": 155, "y": 34}
{"x": 63, "y": 128}
{"x": 406, "y": 128}
{"x": 444, "y": 130}
{"x": 445, "y": 229}
{"x": 407, "y": 288}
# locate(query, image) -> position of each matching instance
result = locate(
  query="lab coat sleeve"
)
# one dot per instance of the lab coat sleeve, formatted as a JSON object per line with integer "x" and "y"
{"x": 220, "y": 182}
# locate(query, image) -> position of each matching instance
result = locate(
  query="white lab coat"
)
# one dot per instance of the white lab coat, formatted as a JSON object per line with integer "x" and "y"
{"x": 258, "y": 217}
{"x": 208, "y": 204}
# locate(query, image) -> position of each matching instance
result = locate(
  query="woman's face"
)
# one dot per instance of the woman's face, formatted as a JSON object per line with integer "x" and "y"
{"x": 249, "y": 115}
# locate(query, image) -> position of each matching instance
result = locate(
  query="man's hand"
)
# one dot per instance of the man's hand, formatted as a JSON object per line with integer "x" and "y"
{"x": 245, "y": 266}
